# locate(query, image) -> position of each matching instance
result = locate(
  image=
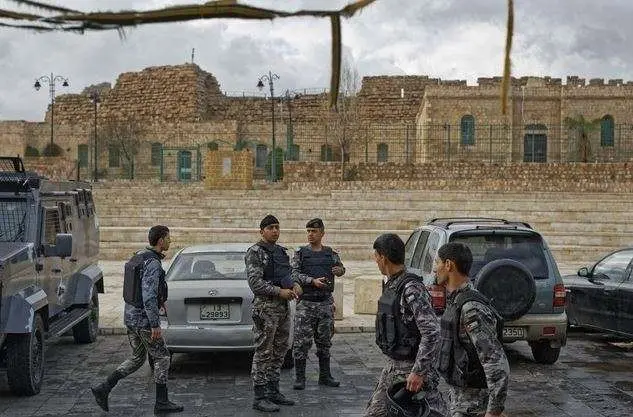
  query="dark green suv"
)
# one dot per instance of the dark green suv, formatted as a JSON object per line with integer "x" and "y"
{"x": 512, "y": 266}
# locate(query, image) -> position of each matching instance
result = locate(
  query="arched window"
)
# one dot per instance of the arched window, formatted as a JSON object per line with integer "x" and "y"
{"x": 156, "y": 153}
{"x": 82, "y": 155}
{"x": 467, "y": 128}
{"x": 382, "y": 152}
{"x": 114, "y": 156}
{"x": 535, "y": 143}
{"x": 261, "y": 155}
{"x": 326, "y": 153}
{"x": 212, "y": 146}
{"x": 607, "y": 128}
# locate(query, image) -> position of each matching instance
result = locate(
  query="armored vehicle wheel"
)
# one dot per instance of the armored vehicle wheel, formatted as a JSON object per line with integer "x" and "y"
{"x": 86, "y": 330}
{"x": 25, "y": 359}
{"x": 509, "y": 285}
{"x": 544, "y": 353}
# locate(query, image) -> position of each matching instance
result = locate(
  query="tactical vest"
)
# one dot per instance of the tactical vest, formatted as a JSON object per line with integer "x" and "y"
{"x": 459, "y": 363}
{"x": 277, "y": 270}
{"x": 133, "y": 275}
{"x": 396, "y": 339}
{"x": 316, "y": 265}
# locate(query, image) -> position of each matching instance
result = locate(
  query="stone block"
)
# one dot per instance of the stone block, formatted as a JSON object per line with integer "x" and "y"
{"x": 367, "y": 290}
{"x": 338, "y": 299}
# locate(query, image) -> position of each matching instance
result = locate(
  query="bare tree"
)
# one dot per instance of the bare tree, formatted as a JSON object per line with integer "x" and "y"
{"x": 124, "y": 134}
{"x": 343, "y": 122}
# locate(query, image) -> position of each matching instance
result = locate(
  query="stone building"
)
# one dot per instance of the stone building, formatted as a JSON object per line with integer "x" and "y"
{"x": 180, "y": 112}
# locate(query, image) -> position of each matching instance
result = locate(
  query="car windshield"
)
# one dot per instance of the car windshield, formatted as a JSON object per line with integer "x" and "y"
{"x": 525, "y": 248}
{"x": 208, "y": 266}
{"x": 13, "y": 213}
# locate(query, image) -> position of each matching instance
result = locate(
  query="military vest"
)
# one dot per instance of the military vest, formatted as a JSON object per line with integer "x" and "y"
{"x": 396, "y": 339}
{"x": 133, "y": 275}
{"x": 277, "y": 270}
{"x": 317, "y": 264}
{"x": 459, "y": 363}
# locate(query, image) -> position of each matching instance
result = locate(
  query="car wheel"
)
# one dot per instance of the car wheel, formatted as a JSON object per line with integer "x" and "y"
{"x": 289, "y": 361}
{"x": 25, "y": 359}
{"x": 509, "y": 285}
{"x": 544, "y": 353}
{"x": 86, "y": 330}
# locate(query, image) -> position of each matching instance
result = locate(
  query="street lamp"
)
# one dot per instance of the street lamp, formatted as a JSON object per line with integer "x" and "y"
{"x": 270, "y": 78}
{"x": 51, "y": 80}
{"x": 96, "y": 99}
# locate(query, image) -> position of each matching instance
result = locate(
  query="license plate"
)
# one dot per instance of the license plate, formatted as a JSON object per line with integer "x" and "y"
{"x": 514, "y": 332}
{"x": 215, "y": 312}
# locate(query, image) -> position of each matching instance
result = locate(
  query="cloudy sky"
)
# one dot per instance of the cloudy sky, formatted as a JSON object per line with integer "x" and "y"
{"x": 451, "y": 39}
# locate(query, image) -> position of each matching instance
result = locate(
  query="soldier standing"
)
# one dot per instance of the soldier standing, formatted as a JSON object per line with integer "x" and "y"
{"x": 472, "y": 359}
{"x": 407, "y": 331}
{"x": 143, "y": 327}
{"x": 268, "y": 271}
{"x": 314, "y": 267}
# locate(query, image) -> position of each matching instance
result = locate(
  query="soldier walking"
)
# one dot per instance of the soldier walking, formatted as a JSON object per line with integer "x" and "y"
{"x": 407, "y": 332}
{"x": 143, "y": 327}
{"x": 472, "y": 359}
{"x": 268, "y": 271}
{"x": 314, "y": 267}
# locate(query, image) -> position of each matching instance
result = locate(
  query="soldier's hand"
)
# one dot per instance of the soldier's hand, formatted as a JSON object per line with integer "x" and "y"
{"x": 414, "y": 382}
{"x": 156, "y": 333}
{"x": 319, "y": 282}
{"x": 298, "y": 290}
{"x": 338, "y": 270}
{"x": 287, "y": 294}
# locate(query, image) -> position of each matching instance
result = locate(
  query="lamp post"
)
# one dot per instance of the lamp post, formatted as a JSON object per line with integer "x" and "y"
{"x": 95, "y": 99}
{"x": 270, "y": 78}
{"x": 51, "y": 80}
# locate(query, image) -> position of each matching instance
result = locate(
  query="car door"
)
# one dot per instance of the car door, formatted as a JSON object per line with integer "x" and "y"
{"x": 53, "y": 269}
{"x": 625, "y": 304}
{"x": 602, "y": 305}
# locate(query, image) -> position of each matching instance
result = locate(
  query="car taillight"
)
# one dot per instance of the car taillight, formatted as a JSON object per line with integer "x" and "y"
{"x": 559, "y": 295}
{"x": 438, "y": 296}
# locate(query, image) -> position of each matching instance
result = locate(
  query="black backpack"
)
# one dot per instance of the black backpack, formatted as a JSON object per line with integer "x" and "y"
{"x": 475, "y": 295}
{"x": 132, "y": 277}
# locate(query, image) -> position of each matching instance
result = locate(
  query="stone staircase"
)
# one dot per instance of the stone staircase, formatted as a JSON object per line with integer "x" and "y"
{"x": 579, "y": 227}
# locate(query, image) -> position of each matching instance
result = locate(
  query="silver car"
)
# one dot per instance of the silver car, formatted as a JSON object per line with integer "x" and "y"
{"x": 210, "y": 303}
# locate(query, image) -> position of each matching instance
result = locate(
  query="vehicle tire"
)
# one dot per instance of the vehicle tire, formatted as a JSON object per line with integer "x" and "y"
{"x": 509, "y": 285}
{"x": 289, "y": 361}
{"x": 25, "y": 359}
{"x": 86, "y": 331}
{"x": 544, "y": 353}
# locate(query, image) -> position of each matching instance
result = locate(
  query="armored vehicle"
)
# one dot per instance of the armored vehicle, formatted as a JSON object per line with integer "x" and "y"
{"x": 49, "y": 277}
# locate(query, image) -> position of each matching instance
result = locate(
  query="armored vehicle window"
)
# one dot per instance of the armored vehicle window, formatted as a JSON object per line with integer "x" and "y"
{"x": 52, "y": 225}
{"x": 13, "y": 214}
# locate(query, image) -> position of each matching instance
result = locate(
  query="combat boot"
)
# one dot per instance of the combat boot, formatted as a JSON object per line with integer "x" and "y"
{"x": 101, "y": 392}
{"x": 163, "y": 405}
{"x": 275, "y": 396}
{"x": 261, "y": 402}
{"x": 325, "y": 377}
{"x": 300, "y": 374}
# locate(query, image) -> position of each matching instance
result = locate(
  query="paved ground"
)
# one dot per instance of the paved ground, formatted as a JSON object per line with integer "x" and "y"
{"x": 592, "y": 378}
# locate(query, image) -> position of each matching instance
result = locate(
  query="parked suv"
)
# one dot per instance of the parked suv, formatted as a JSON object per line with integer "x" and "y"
{"x": 49, "y": 278}
{"x": 513, "y": 266}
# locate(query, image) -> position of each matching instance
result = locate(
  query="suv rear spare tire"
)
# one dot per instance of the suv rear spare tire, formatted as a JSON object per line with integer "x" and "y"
{"x": 509, "y": 285}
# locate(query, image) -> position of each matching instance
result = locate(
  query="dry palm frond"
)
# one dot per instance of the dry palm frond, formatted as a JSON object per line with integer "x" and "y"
{"x": 62, "y": 19}
{"x": 507, "y": 62}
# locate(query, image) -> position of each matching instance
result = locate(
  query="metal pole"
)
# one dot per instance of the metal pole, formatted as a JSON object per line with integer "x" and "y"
{"x": 51, "y": 85}
{"x": 96, "y": 143}
{"x": 273, "y": 166}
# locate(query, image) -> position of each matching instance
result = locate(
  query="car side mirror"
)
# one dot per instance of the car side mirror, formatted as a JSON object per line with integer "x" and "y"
{"x": 63, "y": 246}
{"x": 583, "y": 272}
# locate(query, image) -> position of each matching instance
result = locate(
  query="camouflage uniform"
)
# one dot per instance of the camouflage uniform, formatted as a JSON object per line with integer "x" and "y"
{"x": 271, "y": 318}
{"x": 313, "y": 319}
{"x": 478, "y": 329}
{"x": 415, "y": 306}
{"x": 140, "y": 321}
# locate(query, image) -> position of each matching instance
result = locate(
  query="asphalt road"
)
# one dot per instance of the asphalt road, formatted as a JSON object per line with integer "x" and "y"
{"x": 593, "y": 377}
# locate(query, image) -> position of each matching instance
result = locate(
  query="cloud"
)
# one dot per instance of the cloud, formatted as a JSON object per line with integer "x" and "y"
{"x": 451, "y": 39}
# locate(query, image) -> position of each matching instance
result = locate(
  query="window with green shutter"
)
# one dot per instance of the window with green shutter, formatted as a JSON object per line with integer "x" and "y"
{"x": 468, "y": 130}
{"x": 82, "y": 155}
{"x": 607, "y": 131}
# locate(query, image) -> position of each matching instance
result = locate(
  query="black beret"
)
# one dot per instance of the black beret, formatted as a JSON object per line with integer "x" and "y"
{"x": 315, "y": 224}
{"x": 267, "y": 221}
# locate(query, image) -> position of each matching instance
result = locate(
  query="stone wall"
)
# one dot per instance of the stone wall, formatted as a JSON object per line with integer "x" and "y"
{"x": 517, "y": 177}
{"x": 54, "y": 168}
{"x": 228, "y": 170}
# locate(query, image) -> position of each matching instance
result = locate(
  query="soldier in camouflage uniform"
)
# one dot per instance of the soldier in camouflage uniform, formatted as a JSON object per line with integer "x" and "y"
{"x": 407, "y": 331}
{"x": 314, "y": 267}
{"x": 268, "y": 271}
{"x": 472, "y": 359}
{"x": 143, "y": 328}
